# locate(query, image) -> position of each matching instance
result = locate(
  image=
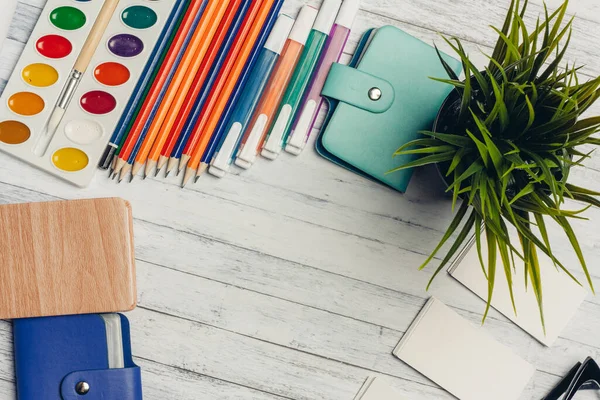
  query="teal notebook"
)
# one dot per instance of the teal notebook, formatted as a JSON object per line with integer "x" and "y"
{"x": 380, "y": 102}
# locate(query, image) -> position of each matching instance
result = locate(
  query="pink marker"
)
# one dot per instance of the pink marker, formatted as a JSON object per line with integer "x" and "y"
{"x": 312, "y": 103}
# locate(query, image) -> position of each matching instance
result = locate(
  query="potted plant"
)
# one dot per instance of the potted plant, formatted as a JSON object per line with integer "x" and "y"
{"x": 505, "y": 141}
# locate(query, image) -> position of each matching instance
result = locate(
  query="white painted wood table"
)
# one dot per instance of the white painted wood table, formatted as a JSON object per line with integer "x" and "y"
{"x": 296, "y": 279}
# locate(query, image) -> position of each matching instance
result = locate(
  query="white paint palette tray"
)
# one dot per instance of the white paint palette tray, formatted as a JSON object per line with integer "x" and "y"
{"x": 93, "y": 114}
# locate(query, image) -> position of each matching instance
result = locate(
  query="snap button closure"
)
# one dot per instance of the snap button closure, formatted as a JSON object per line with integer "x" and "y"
{"x": 82, "y": 388}
{"x": 375, "y": 94}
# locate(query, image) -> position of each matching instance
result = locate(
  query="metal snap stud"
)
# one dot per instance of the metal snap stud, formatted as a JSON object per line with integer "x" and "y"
{"x": 82, "y": 388}
{"x": 375, "y": 94}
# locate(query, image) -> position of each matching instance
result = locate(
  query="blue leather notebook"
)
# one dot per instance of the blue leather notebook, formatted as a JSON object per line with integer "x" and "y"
{"x": 81, "y": 357}
{"x": 380, "y": 102}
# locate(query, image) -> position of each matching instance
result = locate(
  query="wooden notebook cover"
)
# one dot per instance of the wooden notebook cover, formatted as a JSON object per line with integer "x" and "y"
{"x": 66, "y": 257}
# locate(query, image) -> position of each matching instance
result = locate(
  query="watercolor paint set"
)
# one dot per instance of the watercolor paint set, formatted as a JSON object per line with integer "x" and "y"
{"x": 104, "y": 87}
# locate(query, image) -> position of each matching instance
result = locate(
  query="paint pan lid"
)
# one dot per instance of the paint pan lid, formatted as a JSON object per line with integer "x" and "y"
{"x": 303, "y": 25}
{"x": 327, "y": 13}
{"x": 347, "y": 13}
{"x": 279, "y": 34}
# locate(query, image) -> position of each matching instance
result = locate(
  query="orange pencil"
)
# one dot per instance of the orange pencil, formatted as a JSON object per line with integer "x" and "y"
{"x": 265, "y": 111}
{"x": 191, "y": 19}
{"x": 189, "y": 91}
{"x": 209, "y": 128}
{"x": 216, "y": 55}
{"x": 185, "y": 74}
{"x": 218, "y": 85}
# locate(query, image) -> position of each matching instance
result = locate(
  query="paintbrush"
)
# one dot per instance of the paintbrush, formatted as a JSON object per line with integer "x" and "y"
{"x": 81, "y": 65}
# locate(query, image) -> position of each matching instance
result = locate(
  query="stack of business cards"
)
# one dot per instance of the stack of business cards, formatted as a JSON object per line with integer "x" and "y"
{"x": 462, "y": 358}
{"x": 562, "y": 295}
{"x": 377, "y": 389}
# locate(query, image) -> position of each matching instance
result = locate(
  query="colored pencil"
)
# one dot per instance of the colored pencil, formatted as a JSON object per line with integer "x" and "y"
{"x": 166, "y": 37}
{"x": 242, "y": 103}
{"x": 223, "y": 39}
{"x": 183, "y": 78}
{"x": 160, "y": 87}
{"x": 273, "y": 93}
{"x": 184, "y": 35}
{"x": 311, "y": 105}
{"x": 259, "y": 32}
{"x": 174, "y": 149}
{"x": 299, "y": 83}
{"x": 204, "y": 106}
{"x": 128, "y": 128}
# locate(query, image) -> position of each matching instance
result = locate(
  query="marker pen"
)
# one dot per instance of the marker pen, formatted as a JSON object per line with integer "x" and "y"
{"x": 273, "y": 93}
{"x": 300, "y": 80}
{"x": 312, "y": 103}
{"x": 259, "y": 76}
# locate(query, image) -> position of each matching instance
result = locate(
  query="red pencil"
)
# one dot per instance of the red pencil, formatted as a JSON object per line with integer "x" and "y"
{"x": 227, "y": 67}
{"x": 188, "y": 23}
{"x": 188, "y": 105}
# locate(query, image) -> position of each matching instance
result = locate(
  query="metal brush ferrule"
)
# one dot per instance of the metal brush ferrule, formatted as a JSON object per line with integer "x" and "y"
{"x": 69, "y": 90}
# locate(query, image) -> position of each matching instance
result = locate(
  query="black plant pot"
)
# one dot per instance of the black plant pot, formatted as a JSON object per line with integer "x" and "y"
{"x": 445, "y": 121}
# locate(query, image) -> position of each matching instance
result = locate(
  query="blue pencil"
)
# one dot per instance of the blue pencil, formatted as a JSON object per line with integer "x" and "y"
{"x": 138, "y": 93}
{"x": 164, "y": 88}
{"x": 206, "y": 88}
{"x": 244, "y": 100}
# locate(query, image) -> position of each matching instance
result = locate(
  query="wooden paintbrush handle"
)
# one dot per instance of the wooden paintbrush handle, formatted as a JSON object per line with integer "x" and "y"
{"x": 91, "y": 44}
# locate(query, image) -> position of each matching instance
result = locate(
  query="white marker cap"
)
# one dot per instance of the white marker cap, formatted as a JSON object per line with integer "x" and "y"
{"x": 347, "y": 13}
{"x": 279, "y": 34}
{"x": 297, "y": 139}
{"x": 303, "y": 25}
{"x": 247, "y": 155}
{"x": 327, "y": 13}
{"x": 274, "y": 143}
{"x": 219, "y": 165}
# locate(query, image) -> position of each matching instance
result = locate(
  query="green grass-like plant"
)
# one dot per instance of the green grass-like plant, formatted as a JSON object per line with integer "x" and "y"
{"x": 507, "y": 147}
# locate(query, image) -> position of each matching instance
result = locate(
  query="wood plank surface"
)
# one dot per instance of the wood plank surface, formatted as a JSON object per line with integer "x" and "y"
{"x": 295, "y": 279}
